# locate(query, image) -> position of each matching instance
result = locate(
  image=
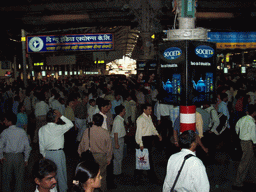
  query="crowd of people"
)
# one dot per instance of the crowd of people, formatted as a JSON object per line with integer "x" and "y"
{"x": 76, "y": 115}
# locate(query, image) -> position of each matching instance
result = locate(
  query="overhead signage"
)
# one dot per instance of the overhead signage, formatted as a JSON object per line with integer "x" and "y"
{"x": 71, "y": 42}
{"x": 233, "y": 40}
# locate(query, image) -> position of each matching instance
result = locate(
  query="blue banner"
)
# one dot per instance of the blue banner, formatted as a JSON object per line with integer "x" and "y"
{"x": 232, "y": 37}
{"x": 71, "y": 42}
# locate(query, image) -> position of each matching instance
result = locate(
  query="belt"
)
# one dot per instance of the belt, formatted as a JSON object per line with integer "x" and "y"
{"x": 55, "y": 149}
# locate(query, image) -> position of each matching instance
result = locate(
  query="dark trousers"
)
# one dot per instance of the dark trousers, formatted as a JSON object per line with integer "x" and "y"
{"x": 14, "y": 164}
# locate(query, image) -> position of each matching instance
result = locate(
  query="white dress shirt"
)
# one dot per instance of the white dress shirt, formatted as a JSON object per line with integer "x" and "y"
{"x": 193, "y": 176}
{"x": 118, "y": 127}
{"x": 51, "y": 190}
{"x": 163, "y": 110}
{"x": 245, "y": 128}
{"x": 145, "y": 127}
{"x": 51, "y": 135}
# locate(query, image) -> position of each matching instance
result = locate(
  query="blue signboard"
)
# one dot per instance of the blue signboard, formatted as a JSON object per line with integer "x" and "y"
{"x": 233, "y": 40}
{"x": 232, "y": 37}
{"x": 71, "y": 42}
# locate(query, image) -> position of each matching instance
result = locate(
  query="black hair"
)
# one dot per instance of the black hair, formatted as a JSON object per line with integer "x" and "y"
{"x": 42, "y": 168}
{"x": 20, "y": 106}
{"x": 119, "y": 109}
{"x": 40, "y": 97}
{"x": 84, "y": 171}
{"x": 223, "y": 96}
{"x": 251, "y": 109}
{"x": 97, "y": 119}
{"x": 145, "y": 106}
{"x": 103, "y": 104}
{"x": 50, "y": 116}
{"x": 91, "y": 100}
{"x": 10, "y": 116}
{"x": 187, "y": 138}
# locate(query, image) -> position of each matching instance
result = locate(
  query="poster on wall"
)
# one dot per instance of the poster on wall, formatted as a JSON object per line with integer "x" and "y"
{"x": 187, "y": 72}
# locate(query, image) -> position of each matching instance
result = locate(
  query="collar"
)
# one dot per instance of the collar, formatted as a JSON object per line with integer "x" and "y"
{"x": 146, "y": 115}
{"x": 250, "y": 117}
{"x": 103, "y": 114}
{"x": 188, "y": 151}
{"x": 118, "y": 116}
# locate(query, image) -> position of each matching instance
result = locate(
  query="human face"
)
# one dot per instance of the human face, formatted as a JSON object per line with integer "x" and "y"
{"x": 148, "y": 111}
{"x": 47, "y": 183}
{"x": 96, "y": 182}
{"x": 105, "y": 109}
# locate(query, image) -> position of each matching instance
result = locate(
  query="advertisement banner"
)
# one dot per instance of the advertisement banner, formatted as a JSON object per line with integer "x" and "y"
{"x": 233, "y": 40}
{"x": 187, "y": 72}
{"x": 71, "y": 42}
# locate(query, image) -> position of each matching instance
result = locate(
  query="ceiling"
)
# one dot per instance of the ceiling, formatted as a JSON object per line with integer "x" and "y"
{"x": 123, "y": 18}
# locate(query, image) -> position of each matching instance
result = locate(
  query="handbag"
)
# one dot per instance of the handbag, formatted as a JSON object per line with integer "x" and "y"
{"x": 177, "y": 177}
{"x": 142, "y": 159}
{"x": 87, "y": 155}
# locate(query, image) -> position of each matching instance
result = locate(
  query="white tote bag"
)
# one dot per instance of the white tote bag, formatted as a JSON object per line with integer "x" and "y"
{"x": 142, "y": 159}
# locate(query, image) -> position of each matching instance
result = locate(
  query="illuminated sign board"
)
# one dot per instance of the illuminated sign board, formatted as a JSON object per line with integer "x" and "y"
{"x": 233, "y": 40}
{"x": 71, "y": 42}
{"x": 39, "y": 64}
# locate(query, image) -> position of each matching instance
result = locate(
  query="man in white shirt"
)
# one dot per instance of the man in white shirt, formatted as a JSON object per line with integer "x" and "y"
{"x": 104, "y": 108}
{"x": 55, "y": 104}
{"x": 51, "y": 144}
{"x": 41, "y": 109}
{"x": 44, "y": 173}
{"x": 14, "y": 153}
{"x": 117, "y": 136}
{"x": 245, "y": 128}
{"x": 193, "y": 175}
{"x": 144, "y": 136}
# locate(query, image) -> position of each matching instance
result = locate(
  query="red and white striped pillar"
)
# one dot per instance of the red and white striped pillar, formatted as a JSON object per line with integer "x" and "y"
{"x": 187, "y": 118}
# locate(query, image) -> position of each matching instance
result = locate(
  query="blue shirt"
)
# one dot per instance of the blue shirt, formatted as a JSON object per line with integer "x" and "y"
{"x": 223, "y": 108}
{"x": 114, "y": 104}
{"x": 14, "y": 140}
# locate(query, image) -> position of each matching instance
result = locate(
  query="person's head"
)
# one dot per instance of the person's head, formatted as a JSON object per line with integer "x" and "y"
{"x": 97, "y": 119}
{"x": 51, "y": 116}
{"x": 147, "y": 109}
{"x": 10, "y": 119}
{"x": 87, "y": 176}
{"x": 224, "y": 97}
{"x": 21, "y": 107}
{"x": 251, "y": 110}
{"x": 92, "y": 102}
{"x": 120, "y": 110}
{"x": 44, "y": 173}
{"x": 187, "y": 140}
{"x": 104, "y": 106}
{"x": 117, "y": 96}
{"x": 41, "y": 97}
{"x": 70, "y": 102}
{"x": 85, "y": 98}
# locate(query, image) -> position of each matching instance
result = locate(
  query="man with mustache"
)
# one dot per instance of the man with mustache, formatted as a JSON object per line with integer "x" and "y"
{"x": 44, "y": 173}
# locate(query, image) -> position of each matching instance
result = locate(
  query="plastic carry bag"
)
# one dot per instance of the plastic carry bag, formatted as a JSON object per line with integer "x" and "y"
{"x": 142, "y": 159}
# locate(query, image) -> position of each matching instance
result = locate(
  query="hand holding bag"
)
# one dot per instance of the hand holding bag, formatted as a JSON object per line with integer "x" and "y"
{"x": 142, "y": 159}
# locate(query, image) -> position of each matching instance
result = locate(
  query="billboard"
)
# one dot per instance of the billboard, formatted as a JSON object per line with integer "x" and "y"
{"x": 187, "y": 72}
{"x": 233, "y": 40}
{"x": 70, "y": 42}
